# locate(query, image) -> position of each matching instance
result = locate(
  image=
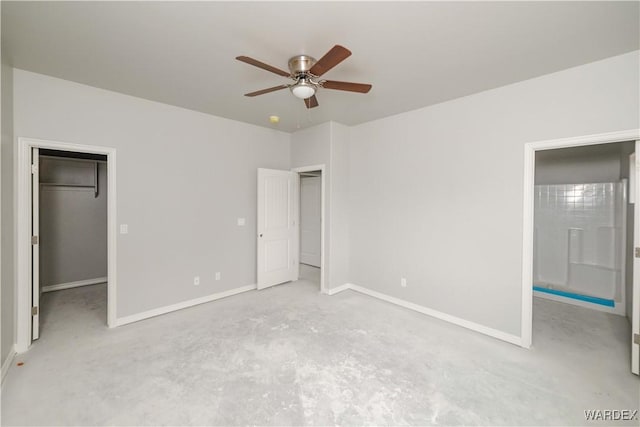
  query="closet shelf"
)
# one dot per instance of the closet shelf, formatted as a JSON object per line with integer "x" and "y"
{"x": 54, "y": 184}
{"x": 94, "y": 186}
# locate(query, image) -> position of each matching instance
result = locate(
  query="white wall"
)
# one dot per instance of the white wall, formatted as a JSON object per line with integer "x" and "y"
{"x": 436, "y": 193}
{"x": 73, "y": 222}
{"x": 183, "y": 179}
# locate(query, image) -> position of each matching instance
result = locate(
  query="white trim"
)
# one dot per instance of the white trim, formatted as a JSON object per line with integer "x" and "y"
{"x": 635, "y": 282}
{"x": 7, "y": 363}
{"x": 179, "y": 306}
{"x": 339, "y": 289}
{"x": 620, "y": 307}
{"x": 23, "y": 235}
{"x": 77, "y": 284}
{"x": 324, "y": 261}
{"x": 512, "y": 339}
{"x": 35, "y": 248}
{"x": 527, "y": 214}
{"x": 526, "y": 318}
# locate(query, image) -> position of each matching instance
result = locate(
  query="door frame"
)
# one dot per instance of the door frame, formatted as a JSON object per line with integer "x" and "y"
{"x": 23, "y": 231}
{"x": 530, "y": 149}
{"x": 324, "y": 262}
{"x": 35, "y": 248}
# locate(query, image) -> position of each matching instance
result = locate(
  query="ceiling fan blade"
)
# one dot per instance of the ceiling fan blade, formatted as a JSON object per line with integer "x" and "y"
{"x": 348, "y": 86}
{"x": 263, "y": 91}
{"x": 311, "y": 102}
{"x": 262, "y": 65}
{"x": 336, "y": 55}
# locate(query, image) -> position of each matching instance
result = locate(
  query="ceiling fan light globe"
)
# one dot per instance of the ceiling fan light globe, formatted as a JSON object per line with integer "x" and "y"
{"x": 303, "y": 91}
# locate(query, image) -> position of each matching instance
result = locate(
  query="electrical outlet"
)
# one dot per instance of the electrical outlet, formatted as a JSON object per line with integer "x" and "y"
{"x": 218, "y": 275}
{"x": 403, "y": 282}
{"x": 241, "y": 222}
{"x": 124, "y": 229}
{"x": 196, "y": 281}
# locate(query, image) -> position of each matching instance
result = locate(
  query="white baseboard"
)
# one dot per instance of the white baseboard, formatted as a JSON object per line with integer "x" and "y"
{"x": 341, "y": 288}
{"x": 512, "y": 339}
{"x": 7, "y": 363}
{"x": 69, "y": 285}
{"x": 179, "y": 306}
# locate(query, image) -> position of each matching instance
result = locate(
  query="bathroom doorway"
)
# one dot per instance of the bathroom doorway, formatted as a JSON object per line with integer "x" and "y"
{"x": 580, "y": 292}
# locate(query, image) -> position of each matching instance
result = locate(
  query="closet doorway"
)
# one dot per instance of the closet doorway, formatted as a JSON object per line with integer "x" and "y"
{"x": 311, "y": 226}
{"x": 70, "y": 250}
{"x": 66, "y": 238}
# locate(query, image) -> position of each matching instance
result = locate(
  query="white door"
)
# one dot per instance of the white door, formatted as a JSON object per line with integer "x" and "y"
{"x": 35, "y": 244}
{"x": 310, "y": 220}
{"x": 276, "y": 227}
{"x": 635, "y": 291}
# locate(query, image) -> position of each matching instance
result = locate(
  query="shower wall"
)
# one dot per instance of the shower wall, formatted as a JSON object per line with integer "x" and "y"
{"x": 580, "y": 240}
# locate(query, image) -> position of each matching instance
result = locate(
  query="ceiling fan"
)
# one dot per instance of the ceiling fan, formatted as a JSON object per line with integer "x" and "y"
{"x": 305, "y": 72}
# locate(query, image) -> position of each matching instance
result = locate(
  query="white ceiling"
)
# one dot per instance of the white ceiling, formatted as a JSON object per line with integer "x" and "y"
{"x": 415, "y": 54}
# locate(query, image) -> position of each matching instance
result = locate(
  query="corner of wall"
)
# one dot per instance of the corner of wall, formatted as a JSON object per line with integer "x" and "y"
{"x": 7, "y": 250}
{"x": 339, "y": 190}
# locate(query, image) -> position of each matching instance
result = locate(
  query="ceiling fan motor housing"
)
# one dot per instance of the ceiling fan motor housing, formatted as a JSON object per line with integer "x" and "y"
{"x": 301, "y": 64}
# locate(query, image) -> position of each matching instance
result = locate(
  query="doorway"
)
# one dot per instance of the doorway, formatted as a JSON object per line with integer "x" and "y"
{"x": 70, "y": 222}
{"x": 578, "y": 238}
{"x": 66, "y": 228}
{"x": 278, "y": 227}
{"x": 581, "y": 226}
{"x": 310, "y": 248}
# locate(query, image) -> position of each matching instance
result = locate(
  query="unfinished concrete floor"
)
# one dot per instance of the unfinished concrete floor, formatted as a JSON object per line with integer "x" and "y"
{"x": 291, "y": 356}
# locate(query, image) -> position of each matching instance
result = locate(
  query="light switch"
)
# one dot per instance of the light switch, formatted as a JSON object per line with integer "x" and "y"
{"x": 241, "y": 221}
{"x": 124, "y": 229}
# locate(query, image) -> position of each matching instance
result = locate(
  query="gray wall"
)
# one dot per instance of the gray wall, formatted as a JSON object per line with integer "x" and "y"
{"x": 183, "y": 179}
{"x": 311, "y": 147}
{"x": 577, "y": 165}
{"x": 328, "y": 144}
{"x": 73, "y": 223}
{"x": 339, "y": 186}
{"x": 7, "y": 250}
{"x": 436, "y": 193}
